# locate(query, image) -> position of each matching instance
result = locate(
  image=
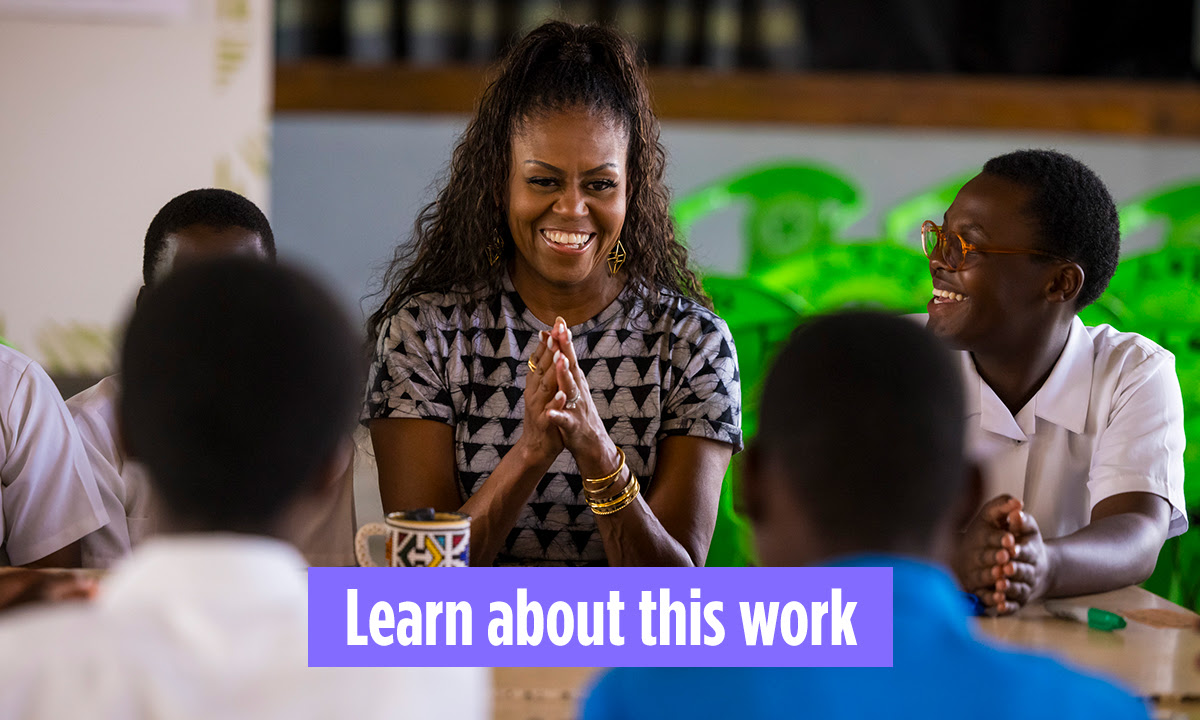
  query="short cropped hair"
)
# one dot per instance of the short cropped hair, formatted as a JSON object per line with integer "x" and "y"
{"x": 240, "y": 379}
{"x": 208, "y": 206}
{"x": 864, "y": 411}
{"x": 1074, "y": 212}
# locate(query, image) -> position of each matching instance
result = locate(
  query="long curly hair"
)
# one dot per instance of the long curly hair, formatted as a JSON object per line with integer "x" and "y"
{"x": 555, "y": 67}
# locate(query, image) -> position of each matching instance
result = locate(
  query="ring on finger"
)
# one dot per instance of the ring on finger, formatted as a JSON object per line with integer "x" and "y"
{"x": 532, "y": 367}
{"x": 570, "y": 404}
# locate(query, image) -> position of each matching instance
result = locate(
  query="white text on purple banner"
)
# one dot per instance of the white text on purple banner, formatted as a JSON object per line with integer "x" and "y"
{"x": 600, "y": 617}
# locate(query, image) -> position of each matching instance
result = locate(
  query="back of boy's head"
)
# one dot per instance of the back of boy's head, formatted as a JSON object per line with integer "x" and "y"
{"x": 241, "y": 380}
{"x": 213, "y": 207}
{"x": 862, "y": 414}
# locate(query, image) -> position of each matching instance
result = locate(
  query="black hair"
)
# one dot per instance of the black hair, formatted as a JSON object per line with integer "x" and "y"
{"x": 864, "y": 411}
{"x": 208, "y": 206}
{"x": 1074, "y": 212}
{"x": 240, "y": 379}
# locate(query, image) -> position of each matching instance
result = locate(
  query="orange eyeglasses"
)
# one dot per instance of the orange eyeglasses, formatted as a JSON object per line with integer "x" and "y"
{"x": 955, "y": 249}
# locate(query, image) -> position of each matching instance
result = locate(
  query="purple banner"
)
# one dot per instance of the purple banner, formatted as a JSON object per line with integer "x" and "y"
{"x": 600, "y": 617}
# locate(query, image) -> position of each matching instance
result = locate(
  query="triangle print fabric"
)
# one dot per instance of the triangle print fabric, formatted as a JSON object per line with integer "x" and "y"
{"x": 653, "y": 371}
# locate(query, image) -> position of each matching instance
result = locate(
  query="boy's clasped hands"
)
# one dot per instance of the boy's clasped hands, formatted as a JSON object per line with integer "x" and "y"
{"x": 1002, "y": 557}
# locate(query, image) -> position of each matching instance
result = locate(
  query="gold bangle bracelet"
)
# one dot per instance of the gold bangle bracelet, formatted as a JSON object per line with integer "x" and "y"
{"x": 611, "y": 476}
{"x": 616, "y": 509}
{"x": 605, "y": 492}
{"x": 598, "y": 493}
{"x": 630, "y": 490}
{"x": 614, "y": 499}
{"x": 623, "y": 504}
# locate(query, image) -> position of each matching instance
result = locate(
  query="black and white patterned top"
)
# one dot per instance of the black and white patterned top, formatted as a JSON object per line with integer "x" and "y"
{"x": 668, "y": 369}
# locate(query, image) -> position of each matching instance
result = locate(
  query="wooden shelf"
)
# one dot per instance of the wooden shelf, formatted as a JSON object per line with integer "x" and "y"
{"x": 1147, "y": 109}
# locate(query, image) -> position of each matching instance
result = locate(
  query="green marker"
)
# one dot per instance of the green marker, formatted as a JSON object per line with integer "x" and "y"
{"x": 1094, "y": 618}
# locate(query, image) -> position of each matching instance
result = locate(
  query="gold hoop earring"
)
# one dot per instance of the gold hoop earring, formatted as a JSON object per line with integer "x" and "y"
{"x": 616, "y": 258}
{"x": 494, "y": 248}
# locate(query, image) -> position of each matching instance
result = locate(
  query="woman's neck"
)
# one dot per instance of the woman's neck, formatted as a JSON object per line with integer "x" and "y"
{"x": 575, "y": 304}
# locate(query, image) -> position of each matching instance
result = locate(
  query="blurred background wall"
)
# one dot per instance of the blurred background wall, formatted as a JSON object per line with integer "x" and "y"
{"x": 346, "y": 188}
{"x": 109, "y": 108}
{"x": 892, "y": 96}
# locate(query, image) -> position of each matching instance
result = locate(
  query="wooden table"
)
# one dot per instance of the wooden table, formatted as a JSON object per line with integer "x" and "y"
{"x": 539, "y": 693}
{"x": 1155, "y": 662}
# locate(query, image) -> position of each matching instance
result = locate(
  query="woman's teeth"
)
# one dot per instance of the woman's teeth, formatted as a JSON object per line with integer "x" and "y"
{"x": 575, "y": 240}
{"x": 946, "y": 296}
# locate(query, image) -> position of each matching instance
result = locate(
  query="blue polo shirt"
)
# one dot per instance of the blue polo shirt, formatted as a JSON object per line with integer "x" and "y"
{"x": 939, "y": 671}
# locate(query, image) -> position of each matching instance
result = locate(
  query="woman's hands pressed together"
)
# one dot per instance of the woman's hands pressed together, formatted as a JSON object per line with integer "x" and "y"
{"x": 541, "y": 384}
{"x": 572, "y": 411}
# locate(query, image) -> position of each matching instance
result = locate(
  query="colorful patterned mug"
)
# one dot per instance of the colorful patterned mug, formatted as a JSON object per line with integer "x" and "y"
{"x": 419, "y": 538}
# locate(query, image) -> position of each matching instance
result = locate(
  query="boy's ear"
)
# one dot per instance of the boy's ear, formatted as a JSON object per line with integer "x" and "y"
{"x": 1066, "y": 283}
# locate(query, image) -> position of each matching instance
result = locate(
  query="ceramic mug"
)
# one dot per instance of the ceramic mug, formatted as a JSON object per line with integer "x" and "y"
{"x": 419, "y": 538}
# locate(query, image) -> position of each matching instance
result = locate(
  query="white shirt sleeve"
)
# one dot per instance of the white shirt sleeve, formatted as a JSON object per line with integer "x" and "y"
{"x": 1141, "y": 446}
{"x": 123, "y": 488}
{"x": 48, "y": 493}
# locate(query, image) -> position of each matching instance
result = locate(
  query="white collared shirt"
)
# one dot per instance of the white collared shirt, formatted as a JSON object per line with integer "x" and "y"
{"x": 1108, "y": 420}
{"x": 324, "y": 532}
{"x": 48, "y": 493}
{"x": 124, "y": 486}
{"x": 206, "y": 626}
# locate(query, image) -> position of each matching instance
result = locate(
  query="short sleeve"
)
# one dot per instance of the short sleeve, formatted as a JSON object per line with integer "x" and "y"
{"x": 49, "y": 493}
{"x": 1141, "y": 448}
{"x": 706, "y": 399}
{"x": 124, "y": 487}
{"x": 407, "y": 378}
{"x": 103, "y": 548}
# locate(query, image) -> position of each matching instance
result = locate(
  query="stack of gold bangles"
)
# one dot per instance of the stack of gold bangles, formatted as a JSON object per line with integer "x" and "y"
{"x": 600, "y": 495}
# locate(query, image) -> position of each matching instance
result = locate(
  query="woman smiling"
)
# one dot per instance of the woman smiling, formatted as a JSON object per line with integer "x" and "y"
{"x": 545, "y": 361}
